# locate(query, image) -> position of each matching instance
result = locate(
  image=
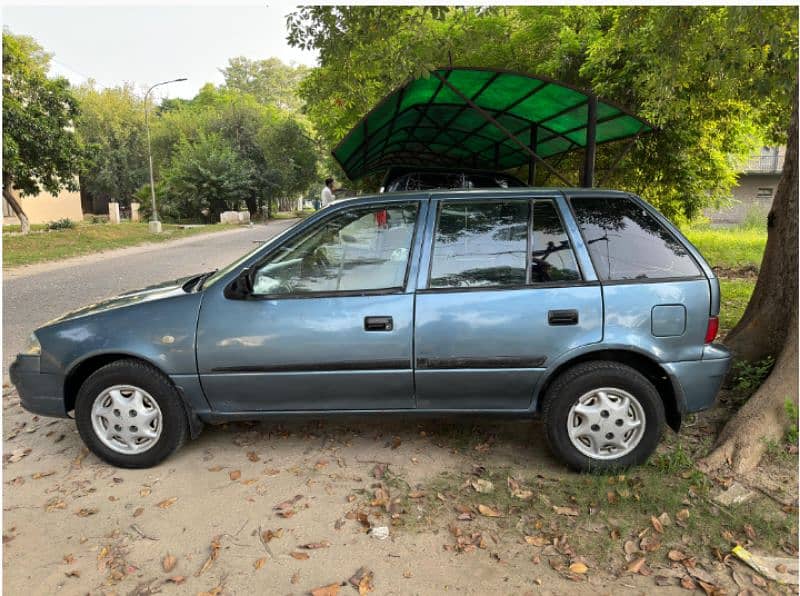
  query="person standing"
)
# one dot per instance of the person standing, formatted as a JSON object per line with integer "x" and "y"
{"x": 327, "y": 196}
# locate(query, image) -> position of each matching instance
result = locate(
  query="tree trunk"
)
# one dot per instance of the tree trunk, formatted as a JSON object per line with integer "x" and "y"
{"x": 16, "y": 206}
{"x": 768, "y": 328}
{"x": 762, "y": 331}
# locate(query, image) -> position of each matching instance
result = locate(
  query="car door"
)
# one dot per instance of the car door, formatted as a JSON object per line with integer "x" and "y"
{"x": 328, "y": 324}
{"x": 500, "y": 295}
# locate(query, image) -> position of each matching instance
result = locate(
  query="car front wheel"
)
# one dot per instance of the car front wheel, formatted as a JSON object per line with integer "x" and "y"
{"x": 602, "y": 416}
{"x": 130, "y": 415}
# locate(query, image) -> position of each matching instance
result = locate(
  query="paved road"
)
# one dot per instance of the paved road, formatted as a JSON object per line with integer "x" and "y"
{"x": 33, "y": 298}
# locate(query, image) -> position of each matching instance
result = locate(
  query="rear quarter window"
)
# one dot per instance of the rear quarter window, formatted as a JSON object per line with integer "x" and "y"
{"x": 626, "y": 242}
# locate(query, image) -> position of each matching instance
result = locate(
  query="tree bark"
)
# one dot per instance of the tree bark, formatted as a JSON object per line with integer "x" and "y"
{"x": 16, "y": 206}
{"x": 768, "y": 328}
{"x": 762, "y": 330}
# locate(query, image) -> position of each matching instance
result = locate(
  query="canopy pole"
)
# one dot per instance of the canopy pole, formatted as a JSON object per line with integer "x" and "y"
{"x": 532, "y": 163}
{"x": 502, "y": 128}
{"x": 591, "y": 143}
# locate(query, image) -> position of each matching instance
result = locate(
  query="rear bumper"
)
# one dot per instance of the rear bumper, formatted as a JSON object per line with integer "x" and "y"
{"x": 697, "y": 382}
{"x": 39, "y": 393}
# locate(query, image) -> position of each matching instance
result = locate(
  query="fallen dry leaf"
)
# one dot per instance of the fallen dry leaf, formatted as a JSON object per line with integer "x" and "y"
{"x": 55, "y": 503}
{"x": 17, "y": 455}
{"x": 145, "y": 491}
{"x": 298, "y": 555}
{"x": 571, "y": 511}
{"x": 167, "y": 503}
{"x": 487, "y": 511}
{"x": 687, "y": 583}
{"x": 268, "y": 535}
{"x": 329, "y": 590}
{"x": 212, "y": 556}
{"x": 168, "y": 563}
{"x": 72, "y": 573}
{"x": 676, "y": 555}
{"x": 482, "y": 486}
{"x": 295, "y": 578}
{"x": 260, "y": 563}
{"x": 216, "y": 468}
{"x": 177, "y": 579}
{"x": 636, "y": 565}
{"x": 537, "y": 540}
{"x": 416, "y": 494}
{"x": 235, "y": 475}
{"x": 657, "y": 525}
{"x": 578, "y": 567}
{"x": 362, "y": 579}
{"x": 315, "y": 545}
{"x": 86, "y": 511}
{"x": 252, "y": 456}
{"x": 39, "y": 475}
{"x": 138, "y": 512}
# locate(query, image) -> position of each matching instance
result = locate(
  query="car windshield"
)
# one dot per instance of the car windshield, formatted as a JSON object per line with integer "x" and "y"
{"x": 451, "y": 180}
{"x": 243, "y": 259}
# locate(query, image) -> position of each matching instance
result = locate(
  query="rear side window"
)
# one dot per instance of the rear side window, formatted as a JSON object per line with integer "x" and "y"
{"x": 480, "y": 245}
{"x": 552, "y": 258}
{"x": 626, "y": 242}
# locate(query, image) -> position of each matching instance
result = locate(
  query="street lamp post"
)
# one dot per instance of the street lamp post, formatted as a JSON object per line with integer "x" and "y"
{"x": 155, "y": 224}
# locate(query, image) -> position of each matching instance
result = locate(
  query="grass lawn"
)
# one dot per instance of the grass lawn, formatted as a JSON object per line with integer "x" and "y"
{"x": 729, "y": 248}
{"x": 86, "y": 238}
{"x": 736, "y": 253}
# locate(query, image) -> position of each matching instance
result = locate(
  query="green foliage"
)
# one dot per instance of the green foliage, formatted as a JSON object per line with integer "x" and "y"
{"x": 111, "y": 126}
{"x": 791, "y": 413}
{"x": 61, "y": 224}
{"x": 206, "y": 176}
{"x": 735, "y": 297}
{"x": 713, "y": 79}
{"x": 750, "y": 375}
{"x": 40, "y": 149}
{"x": 256, "y": 154}
{"x": 270, "y": 82}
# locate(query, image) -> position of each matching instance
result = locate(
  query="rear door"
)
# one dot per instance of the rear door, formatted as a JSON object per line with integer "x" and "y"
{"x": 500, "y": 295}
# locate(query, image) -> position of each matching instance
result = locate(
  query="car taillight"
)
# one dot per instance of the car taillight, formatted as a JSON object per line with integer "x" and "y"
{"x": 711, "y": 330}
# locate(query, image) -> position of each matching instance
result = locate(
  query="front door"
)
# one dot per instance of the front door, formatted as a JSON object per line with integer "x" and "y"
{"x": 329, "y": 324}
{"x": 502, "y": 297}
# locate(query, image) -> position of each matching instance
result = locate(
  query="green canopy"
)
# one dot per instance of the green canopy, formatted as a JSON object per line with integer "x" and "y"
{"x": 481, "y": 118}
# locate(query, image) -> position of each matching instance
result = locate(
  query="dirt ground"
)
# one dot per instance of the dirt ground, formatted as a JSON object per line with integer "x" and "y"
{"x": 289, "y": 507}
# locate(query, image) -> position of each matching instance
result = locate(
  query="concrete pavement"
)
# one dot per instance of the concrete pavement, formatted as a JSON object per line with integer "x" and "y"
{"x": 32, "y": 296}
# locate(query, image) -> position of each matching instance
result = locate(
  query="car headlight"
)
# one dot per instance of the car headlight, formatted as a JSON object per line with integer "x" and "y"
{"x": 34, "y": 347}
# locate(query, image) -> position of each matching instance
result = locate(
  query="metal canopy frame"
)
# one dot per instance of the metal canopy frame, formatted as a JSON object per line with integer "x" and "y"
{"x": 427, "y": 121}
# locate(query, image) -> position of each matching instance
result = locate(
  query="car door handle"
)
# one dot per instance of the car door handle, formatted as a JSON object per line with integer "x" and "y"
{"x": 562, "y": 317}
{"x": 378, "y": 324}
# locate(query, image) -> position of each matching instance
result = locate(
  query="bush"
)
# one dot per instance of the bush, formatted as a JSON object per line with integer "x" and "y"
{"x": 61, "y": 224}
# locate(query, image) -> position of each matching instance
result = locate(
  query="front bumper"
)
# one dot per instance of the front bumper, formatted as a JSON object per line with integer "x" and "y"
{"x": 697, "y": 382}
{"x": 39, "y": 393}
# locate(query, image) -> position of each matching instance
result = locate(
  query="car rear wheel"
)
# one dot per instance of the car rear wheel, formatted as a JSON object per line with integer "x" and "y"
{"x": 603, "y": 416}
{"x": 130, "y": 415}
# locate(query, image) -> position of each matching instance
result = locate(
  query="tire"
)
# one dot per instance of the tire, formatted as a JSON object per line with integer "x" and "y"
{"x": 159, "y": 412}
{"x": 601, "y": 392}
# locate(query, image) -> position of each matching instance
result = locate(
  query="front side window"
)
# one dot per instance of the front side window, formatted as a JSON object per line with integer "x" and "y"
{"x": 480, "y": 244}
{"x": 360, "y": 249}
{"x": 626, "y": 241}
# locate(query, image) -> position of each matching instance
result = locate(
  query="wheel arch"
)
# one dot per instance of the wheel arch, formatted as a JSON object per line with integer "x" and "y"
{"x": 671, "y": 395}
{"x": 82, "y": 370}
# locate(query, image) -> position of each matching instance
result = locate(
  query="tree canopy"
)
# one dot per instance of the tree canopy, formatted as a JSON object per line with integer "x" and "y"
{"x": 716, "y": 81}
{"x": 40, "y": 148}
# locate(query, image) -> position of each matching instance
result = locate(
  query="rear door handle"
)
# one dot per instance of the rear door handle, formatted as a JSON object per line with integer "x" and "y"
{"x": 378, "y": 324}
{"x": 562, "y": 317}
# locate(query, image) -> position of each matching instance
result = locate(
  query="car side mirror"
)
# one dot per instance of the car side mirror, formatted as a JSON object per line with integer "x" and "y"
{"x": 241, "y": 287}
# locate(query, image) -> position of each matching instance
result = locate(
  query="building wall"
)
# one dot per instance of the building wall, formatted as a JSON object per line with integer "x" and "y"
{"x": 753, "y": 194}
{"x": 45, "y": 207}
{"x": 755, "y": 189}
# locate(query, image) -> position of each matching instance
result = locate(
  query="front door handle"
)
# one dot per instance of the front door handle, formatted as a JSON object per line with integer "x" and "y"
{"x": 378, "y": 324}
{"x": 562, "y": 317}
